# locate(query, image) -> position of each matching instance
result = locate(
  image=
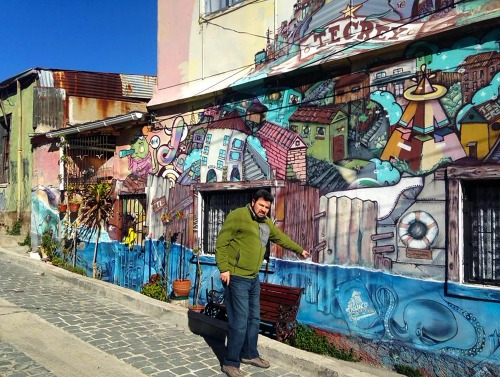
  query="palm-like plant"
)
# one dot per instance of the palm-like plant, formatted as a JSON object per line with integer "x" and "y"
{"x": 97, "y": 210}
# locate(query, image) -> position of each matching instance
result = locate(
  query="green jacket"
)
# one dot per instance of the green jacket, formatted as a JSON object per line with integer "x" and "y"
{"x": 241, "y": 243}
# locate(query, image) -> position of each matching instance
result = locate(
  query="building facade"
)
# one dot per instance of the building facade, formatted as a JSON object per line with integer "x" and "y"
{"x": 376, "y": 130}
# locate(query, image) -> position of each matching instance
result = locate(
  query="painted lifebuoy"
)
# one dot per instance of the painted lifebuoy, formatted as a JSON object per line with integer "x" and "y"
{"x": 418, "y": 230}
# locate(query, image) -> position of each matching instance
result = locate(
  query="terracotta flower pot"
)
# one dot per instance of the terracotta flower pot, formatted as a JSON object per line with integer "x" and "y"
{"x": 74, "y": 207}
{"x": 196, "y": 308}
{"x": 62, "y": 207}
{"x": 181, "y": 287}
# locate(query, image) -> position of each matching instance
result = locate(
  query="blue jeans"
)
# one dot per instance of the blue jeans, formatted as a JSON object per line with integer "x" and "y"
{"x": 242, "y": 299}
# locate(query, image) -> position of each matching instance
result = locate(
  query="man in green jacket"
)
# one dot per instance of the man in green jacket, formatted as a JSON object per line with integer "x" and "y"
{"x": 239, "y": 253}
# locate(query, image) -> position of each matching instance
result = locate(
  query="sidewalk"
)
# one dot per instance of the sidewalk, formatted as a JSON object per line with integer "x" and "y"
{"x": 100, "y": 329}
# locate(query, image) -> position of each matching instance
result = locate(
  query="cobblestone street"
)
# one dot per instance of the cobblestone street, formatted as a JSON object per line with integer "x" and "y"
{"x": 155, "y": 348}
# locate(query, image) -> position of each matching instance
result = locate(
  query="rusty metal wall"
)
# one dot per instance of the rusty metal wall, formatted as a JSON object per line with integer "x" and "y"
{"x": 48, "y": 109}
{"x": 105, "y": 85}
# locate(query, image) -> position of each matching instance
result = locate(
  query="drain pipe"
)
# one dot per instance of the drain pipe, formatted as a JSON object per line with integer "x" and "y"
{"x": 19, "y": 150}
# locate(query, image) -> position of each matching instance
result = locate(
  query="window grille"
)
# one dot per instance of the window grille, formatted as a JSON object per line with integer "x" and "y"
{"x": 90, "y": 159}
{"x": 133, "y": 214}
{"x": 481, "y": 210}
{"x": 4, "y": 148}
{"x": 216, "y": 206}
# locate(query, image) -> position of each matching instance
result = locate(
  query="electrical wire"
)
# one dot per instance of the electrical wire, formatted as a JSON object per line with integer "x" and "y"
{"x": 305, "y": 102}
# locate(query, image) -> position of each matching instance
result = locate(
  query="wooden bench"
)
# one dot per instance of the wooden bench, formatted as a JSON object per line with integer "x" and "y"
{"x": 279, "y": 306}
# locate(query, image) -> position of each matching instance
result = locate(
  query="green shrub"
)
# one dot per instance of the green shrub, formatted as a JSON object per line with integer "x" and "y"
{"x": 308, "y": 340}
{"x": 154, "y": 288}
{"x": 407, "y": 370}
{"x": 49, "y": 245}
{"x": 60, "y": 262}
{"x": 16, "y": 228}
{"x": 26, "y": 241}
{"x": 77, "y": 270}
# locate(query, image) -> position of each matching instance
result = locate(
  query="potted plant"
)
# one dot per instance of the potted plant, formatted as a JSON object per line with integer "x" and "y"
{"x": 154, "y": 288}
{"x": 166, "y": 218}
{"x": 181, "y": 286}
{"x": 62, "y": 207}
{"x": 197, "y": 289}
{"x": 74, "y": 205}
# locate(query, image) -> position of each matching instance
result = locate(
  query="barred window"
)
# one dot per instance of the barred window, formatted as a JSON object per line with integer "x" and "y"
{"x": 473, "y": 230}
{"x": 4, "y": 148}
{"x": 216, "y": 206}
{"x": 481, "y": 213}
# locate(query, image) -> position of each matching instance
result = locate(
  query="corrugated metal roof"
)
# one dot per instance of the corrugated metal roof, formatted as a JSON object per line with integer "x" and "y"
{"x": 138, "y": 86}
{"x": 100, "y": 85}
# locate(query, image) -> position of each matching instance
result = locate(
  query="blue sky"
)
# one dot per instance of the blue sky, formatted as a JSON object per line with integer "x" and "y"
{"x": 116, "y": 36}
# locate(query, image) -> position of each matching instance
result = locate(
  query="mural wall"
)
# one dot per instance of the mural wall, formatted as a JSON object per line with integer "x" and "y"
{"x": 370, "y": 147}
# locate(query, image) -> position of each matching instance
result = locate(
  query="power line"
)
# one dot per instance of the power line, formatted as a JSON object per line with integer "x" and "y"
{"x": 306, "y": 102}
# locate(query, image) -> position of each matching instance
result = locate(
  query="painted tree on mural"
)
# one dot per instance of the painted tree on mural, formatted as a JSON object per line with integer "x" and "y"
{"x": 97, "y": 210}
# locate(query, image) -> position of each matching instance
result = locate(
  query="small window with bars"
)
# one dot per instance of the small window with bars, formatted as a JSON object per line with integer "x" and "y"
{"x": 4, "y": 148}
{"x": 133, "y": 219}
{"x": 216, "y": 206}
{"x": 90, "y": 159}
{"x": 481, "y": 214}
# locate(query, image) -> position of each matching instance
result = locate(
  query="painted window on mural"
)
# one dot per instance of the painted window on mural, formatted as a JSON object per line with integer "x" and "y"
{"x": 226, "y": 140}
{"x": 222, "y": 153}
{"x": 237, "y": 144}
{"x": 220, "y": 164}
{"x": 399, "y": 89}
{"x": 4, "y": 148}
{"x": 320, "y": 132}
{"x": 481, "y": 203}
{"x": 235, "y": 174}
{"x": 208, "y": 139}
{"x": 211, "y": 176}
{"x": 235, "y": 156}
{"x": 293, "y": 99}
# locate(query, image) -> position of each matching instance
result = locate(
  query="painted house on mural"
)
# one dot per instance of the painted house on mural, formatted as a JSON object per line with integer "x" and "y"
{"x": 375, "y": 126}
{"x": 74, "y": 123}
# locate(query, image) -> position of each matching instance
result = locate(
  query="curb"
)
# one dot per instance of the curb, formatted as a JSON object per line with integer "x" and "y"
{"x": 280, "y": 353}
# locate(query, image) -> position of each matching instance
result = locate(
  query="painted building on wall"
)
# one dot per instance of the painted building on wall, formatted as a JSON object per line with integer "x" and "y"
{"x": 375, "y": 125}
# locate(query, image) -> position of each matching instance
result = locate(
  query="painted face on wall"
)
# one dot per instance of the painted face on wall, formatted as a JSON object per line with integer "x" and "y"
{"x": 140, "y": 147}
